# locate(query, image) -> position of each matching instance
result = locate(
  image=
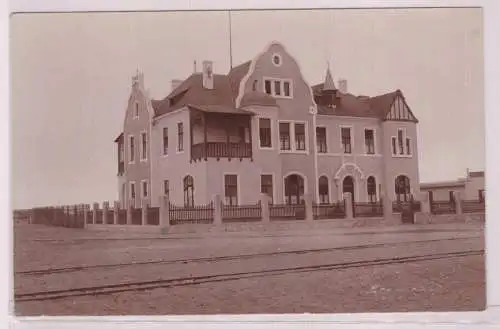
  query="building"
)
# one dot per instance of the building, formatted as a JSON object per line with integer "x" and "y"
{"x": 471, "y": 187}
{"x": 262, "y": 128}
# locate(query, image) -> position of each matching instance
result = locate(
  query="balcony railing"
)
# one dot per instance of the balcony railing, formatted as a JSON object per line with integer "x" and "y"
{"x": 221, "y": 150}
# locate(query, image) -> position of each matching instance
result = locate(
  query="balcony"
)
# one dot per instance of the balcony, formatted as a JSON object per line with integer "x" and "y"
{"x": 221, "y": 150}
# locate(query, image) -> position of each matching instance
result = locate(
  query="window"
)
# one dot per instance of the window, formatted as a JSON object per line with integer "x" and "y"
{"x": 266, "y": 185}
{"x": 136, "y": 110}
{"x": 132, "y": 190}
{"x": 144, "y": 188}
{"x": 286, "y": 88}
{"x": 300, "y": 136}
{"x": 121, "y": 151}
{"x": 294, "y": 189}
{"x": 323, "y": 189}
{"x": 371, "y": 186}
{"x": 144, "y": 148}
{"x": 408, "y": 146}
{"x": 321, "y": 139}
{"x": 267, "y": 87}
{"x": 188, "y": 191}
{"x": 400, "y": 141}
{"x": 132, "y": 149}
{"x": 481, "y": 196}
{"x": 180, "y": 137}
{"x": 231, "y": 189}
{"x": 369, "y": 141}
{"x": 166, "y": 188}
{"x": 346, "y": 139}
{"x": 394, "y": 151}
{"x": 165, "y": 141}
{"x": 285, "y": 136}
{"x": 402, "y": 188}
{"x": 276, "y": 60}
{"x": 265, "y": 132}
{"x": 278, "y": 87}
{"x": 452, "y": 196}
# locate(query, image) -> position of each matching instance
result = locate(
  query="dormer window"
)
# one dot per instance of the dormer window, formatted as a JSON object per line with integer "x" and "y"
{"x": 279, "y": 88}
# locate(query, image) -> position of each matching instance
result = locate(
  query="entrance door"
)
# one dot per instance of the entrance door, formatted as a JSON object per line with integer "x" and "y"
{"x": 348, "y": 186}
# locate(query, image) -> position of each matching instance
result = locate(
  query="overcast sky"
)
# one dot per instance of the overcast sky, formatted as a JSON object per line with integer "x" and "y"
{"x": 71, "y": 78}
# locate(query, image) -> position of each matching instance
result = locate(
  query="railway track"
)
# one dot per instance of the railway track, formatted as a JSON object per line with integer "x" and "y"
{"x": 50, "y": 271}
{"x": 195, "y": 280}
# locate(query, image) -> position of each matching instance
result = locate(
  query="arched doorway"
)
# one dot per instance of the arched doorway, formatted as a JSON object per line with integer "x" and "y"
{"x": 348, "y": 186}
{"x": 402, "y": 188}
{"x": 294, "y": 189}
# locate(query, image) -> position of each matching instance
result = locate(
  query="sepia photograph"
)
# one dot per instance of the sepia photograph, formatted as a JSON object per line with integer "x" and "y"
{"x": 248, "y": 162}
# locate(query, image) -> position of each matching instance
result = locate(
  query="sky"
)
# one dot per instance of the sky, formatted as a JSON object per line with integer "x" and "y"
{"x": 71, "y": 78}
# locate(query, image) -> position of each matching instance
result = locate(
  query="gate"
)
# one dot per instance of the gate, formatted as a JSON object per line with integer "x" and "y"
{"x": 407, "y": 210}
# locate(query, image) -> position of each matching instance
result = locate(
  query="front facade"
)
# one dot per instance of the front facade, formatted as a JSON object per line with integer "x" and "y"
{"x": 262, "y": 128}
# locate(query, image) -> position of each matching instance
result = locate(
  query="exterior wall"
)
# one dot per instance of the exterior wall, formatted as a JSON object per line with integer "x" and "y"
{"x": 443, "y": 193}
{"x": 336, "y": 165}
{"x": 395, "y": 165}
{"x": 140, "y": 169}
{"x": 175, "y": 165}
{"x": 296, "y": 108}
{"x": 472, "y": 187}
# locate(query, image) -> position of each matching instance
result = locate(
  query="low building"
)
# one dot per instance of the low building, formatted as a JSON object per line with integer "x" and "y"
{"x": 471, "y": 187}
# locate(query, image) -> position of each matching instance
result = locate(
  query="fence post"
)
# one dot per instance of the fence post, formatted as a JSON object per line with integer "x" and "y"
{"x": 94, "y": 213}
{"x": 386, "y": 207}
{"x": 129, "y": 213}
{"x": 164, "y": 214}
{"x": 458, "y": 203}
{"x": 105, "y": 206}
{"x": 348, "y": 206}
{"x": 85, "y": 215}
{"x": 116, "y": 209}
{"x": 144, "y": 212}
{"x": 217, "y": 210}
{"x": 264, "y": 206}
{"x": 308, "y": 207}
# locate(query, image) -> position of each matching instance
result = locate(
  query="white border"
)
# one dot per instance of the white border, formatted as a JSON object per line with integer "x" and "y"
{"x": 271, "y": 122}
{"x": 130, "y": 152}
{"x": 142, "y": 189}
{"x": 351, "y": 133}
{"x": 238, "y": 185}
{"x": 387, "y": 320}
{"x": 304, "y": 177}
{"x": 141, "y": 146}
{"x": 273, "y": 180}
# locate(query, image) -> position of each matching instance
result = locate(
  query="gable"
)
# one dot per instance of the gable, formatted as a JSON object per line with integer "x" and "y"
{"x": 400, "y": 111}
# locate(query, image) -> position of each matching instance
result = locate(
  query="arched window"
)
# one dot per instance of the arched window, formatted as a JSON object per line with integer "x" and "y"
{"x": 294, "y": 189}
{"x": 323, "y": 189}
{"x": 371, "y": 187}
{"x": 188, "y": 191}
{"x": 402, "y": 188}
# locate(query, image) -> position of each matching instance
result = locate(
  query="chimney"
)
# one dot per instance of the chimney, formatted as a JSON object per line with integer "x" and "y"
{"x": 175, "y": 83}
{"x": 208, "y": 75}
{"x": 343, "y": 86}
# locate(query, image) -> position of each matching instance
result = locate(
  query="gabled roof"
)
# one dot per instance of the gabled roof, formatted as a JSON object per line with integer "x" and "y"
{"x": 191, "y": 92}
{"x": 120, "y": 137}
{"x": 359, "y": 106}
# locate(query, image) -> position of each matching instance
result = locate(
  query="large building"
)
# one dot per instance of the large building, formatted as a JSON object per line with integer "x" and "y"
{"x": 262, "y": 128}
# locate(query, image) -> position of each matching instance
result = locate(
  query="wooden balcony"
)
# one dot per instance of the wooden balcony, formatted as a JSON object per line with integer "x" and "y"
{"x": 218, "y": 150}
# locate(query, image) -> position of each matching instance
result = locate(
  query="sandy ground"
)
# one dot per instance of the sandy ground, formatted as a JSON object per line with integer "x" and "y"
{"x": 456, "y": 284}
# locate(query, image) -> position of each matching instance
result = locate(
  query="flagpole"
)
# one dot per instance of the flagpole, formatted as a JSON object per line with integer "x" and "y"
{"x": 230, "y": 42}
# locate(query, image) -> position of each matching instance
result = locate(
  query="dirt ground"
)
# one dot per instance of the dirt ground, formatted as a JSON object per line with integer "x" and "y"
{"x": 455, "y": 284}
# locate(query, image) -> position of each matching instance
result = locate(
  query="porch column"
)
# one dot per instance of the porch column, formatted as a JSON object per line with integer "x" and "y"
{"x": 458, "y": 203}
{"x": 308, "y": 207}
{"x": 129, "y": 213}
{"x": 144, "y": 212}
{"x": 94, "y": 213}
{"x": 250, "y": 137}
{"x": 205, "y": 136}
{"x": 164, "y": 214}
